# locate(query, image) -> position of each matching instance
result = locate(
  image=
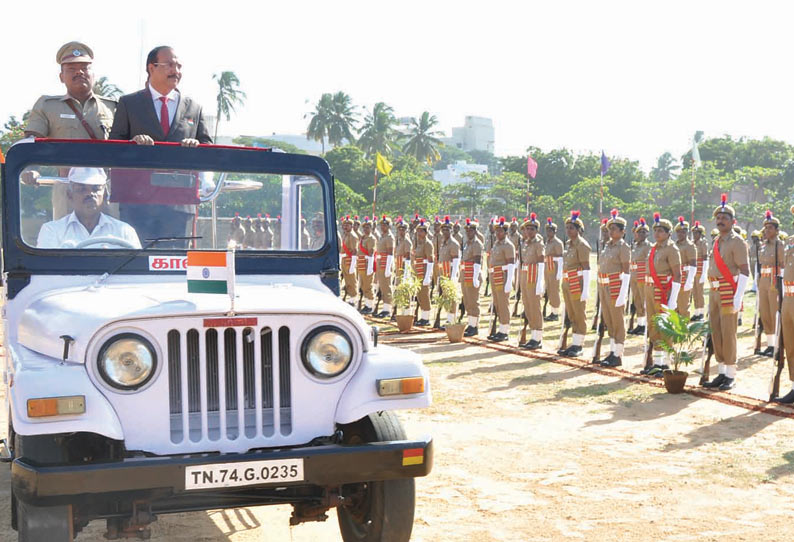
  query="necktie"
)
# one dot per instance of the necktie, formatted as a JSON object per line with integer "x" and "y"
{"x": 164, "y": 115}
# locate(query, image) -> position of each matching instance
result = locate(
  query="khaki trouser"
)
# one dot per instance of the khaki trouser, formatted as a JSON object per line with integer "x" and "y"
{"x": 501, "y": 301}
{"x": 682, "y": 304}
{"x": 552, "y": 287}
{"x": 349, "y": 278}
{"x": 575, "y": 310}
{"x": 787, "y": 328}
{"x": 613, "y": 316}
{"x": 767, "y": 304}
{"x": 698, "y": 296}
{"x": 471, "y": 299}
{"x": 532, "y": 308}
{"x": 424, "y": 297}
{"x": 384, "y": 284}
{"x": 638, "y": 297}
{"x": 652, "y": 308}
{"x": 723, "y": 329}
{"x": 365, "y": 283}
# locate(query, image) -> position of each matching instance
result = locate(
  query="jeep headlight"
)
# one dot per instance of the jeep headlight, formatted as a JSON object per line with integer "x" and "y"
{"x": 127, "y": 361}
{"x": 326, "y": 351}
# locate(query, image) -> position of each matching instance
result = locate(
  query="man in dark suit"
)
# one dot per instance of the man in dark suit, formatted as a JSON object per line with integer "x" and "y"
{"x": 160, "y": 113}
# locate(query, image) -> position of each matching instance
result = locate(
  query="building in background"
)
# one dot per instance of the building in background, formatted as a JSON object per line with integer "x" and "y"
{"x": 456, "y": 173}
{"x": 476, "y": 134}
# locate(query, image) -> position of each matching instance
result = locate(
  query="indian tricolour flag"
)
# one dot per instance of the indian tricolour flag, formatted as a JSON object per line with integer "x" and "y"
{"x": 210, "y": 272}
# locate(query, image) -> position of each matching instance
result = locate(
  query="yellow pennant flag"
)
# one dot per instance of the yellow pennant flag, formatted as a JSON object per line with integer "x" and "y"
{"x": 383, "y": 165}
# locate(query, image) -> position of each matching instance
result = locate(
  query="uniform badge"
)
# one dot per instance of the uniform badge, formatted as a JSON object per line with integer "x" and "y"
{"x": 189, "y": 121}
{"x": 76, "y": 52}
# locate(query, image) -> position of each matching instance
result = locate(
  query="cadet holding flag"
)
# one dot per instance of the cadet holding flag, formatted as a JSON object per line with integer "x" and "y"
{"x": 532, "y": 280}
{"x": 613, "y": 286}
{"x": 470, "y": 278}
{"x": 423, "y": 258}
{"x": 576, "y": 281}
{"x": 502, "y": 268}
{"x": 385, "y": 256}
{"x": 729, "y": 271}
{"x": 553, "y": 273}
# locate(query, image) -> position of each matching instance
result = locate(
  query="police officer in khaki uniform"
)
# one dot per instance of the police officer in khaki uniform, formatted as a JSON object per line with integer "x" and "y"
{"x": 729, "y": 272}
{"x": 78, "y": 114}
{"x": 349, "y": 249}
{"x": 532, "y": 280}
{"x": 402, "y": 251}
{"x": 366, "y": 265}
{"x": 515, "y": 238}
{"x": 662, "y": 286}
{"x": 471, "y": 277}
{"x": 639, "y": 270}
{"x": 385, "y": 255}
{"x": 457, "y": 234}
{"x": 448, "y": 257}
{"x": 502, "y": 268}
{"x": 423, "y": 262}
{"x": 613, "y": 287}
{"x": 553, "y": 273}
{"x": 702, "y": 251}
{"x": 688, "y": 255}
{"x": 787, "y": 318}
{"x": 770, "y": 257}
{"x": 576, "y": 282}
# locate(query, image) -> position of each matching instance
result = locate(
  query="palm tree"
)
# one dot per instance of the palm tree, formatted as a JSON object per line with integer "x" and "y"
{"x": 320, "y": 123}
{"x": 103, "y": 87}
{"x": 422, "y": 143}
{"x": 342, "y": 119}
{"x": 229, "y": 95}
{"x": 378, "y": 134}
{"x": 665, "y": 168}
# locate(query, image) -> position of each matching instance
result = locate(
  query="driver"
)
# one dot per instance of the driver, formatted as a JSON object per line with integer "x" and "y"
{"x": 86, "y": 192}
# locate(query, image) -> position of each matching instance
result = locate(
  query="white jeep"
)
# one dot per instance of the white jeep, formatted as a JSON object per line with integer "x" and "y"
{"x": 135, "y": 390}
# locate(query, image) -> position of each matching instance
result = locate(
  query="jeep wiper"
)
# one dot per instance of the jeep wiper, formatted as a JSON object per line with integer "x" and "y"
{"x": 149, "y": 244}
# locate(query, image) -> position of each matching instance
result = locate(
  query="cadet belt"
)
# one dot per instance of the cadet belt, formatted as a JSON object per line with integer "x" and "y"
{"x": 498, "y": 275}
{"x": 788, "y": 288}
{"x": 767, "y": 270}
{"x": 574, "y": 280}
{"x": 725, "y": 290}
{"x": 446, "y": 268}
{"x": 468, "y": 273}
{"x": 612, "y": 282}
{"x": 700, "y": 267}
{"x": 658, "y": 294}
{"x": 640, "y": 269}
{"x": 531, "y": 269}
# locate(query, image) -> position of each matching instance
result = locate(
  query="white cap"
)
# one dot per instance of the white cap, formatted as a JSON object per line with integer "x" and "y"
{"x": 87, "y": 175}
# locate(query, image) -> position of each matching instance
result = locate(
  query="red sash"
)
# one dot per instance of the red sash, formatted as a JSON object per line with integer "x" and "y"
{"x": 361, "y": 264}
{"x": 723, "y": 267}
{"x": 664, "y": 289}
{"x": 347, "y": 250}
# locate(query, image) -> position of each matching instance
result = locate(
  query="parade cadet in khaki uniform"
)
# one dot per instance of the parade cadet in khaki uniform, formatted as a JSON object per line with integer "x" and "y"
{"x": 448, "y": 258}
{"x": 402, "y": 251}
{"x": 422, "y": 261}
{"x": 502, "y": 268}
{"x": 457, "y": 234}
{"x": 576, "y": 282}
{"x": 770, "y": 257}
{"x": 78, "y": 114}
{"x": 531, "y": 280}
{"x": 729, "y": 271}
{"x": 385, "y": 256}
{"x": 787, "y": 319}
{"x": 702, "y": 251}
{"x": 356, "y": 226}
{"x": 435, "y": 238}
{"x": 688, "y": 254}
{"x": 470, "y": 278}
{"x": 662, "y": 286}
{"x": 553, "y": 273}
{"x": 365, "y": 265}
{"x": 613, "y": 287}
{"x": 639, "y": 270}
{"x": 515, "y": 238}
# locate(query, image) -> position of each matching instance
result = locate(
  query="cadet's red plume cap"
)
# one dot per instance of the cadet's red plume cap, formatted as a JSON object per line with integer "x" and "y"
{"x": 697, "y": 223}
{"x": 384, "y": 217}
{"x": 421, "y": 221}
{"x": 575, "y": 215}
{"x": 723, "y": 199}
{"x": 680, "y": 219}
{"x": 249, "y": 216}
{"x": 642, "y": 220}
{"x": 533, "y": 216}
{"x": 513, "y": 219}
{"x": 636, "y": 223}
{"x": 548, "y": 220}
{"x": 236, "y": 214}
{"x": 501, "y": 221}
{"x": 768, "y": 214}
{"x": 657, "y": 216}
{"x": 603, "y": 221}
{"x": 354, "y": 218}
{"x": 446, "y": 219}
{"x": 457, "y": 222}
{"x": 279, "y": 217}
{"x": 468, "y": 221}
{"x": 259, "y": 215}
{"x": 614, "y": 213}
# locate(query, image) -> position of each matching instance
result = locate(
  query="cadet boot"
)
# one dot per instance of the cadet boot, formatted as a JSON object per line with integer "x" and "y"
{"x": 614, "y": 362}
{"x": 639, "y": 330}
{"x": 768, "y": 352}
{"x": 532, "y": 344}
{"x": 696, "y": 318}
{"x": 366, "y": 310}
{"x": 470, "y": 331}
{"x": 499, "y": 337}
{"x": 572, "y": 351}
{"x": 422, "y": 323}
{"x": 551, "y": 318}
{"x": 717, "y": 382}
{"x": 607, "y": 359}
{"x": 787, "y": 399}
{"x": 383, "y": 314}
{"x": 727, "y": 384}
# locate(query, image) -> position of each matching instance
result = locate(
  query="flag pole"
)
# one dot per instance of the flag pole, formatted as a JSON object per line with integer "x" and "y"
{"x": 692, "y": 196}
{"x": 601, "y": 199}
{"x": 375, "y": 193}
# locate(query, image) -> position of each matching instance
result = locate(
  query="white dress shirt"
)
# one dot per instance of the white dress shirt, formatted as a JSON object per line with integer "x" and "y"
{"x": 66, "y": 232}
{"x": 171, "y": 103}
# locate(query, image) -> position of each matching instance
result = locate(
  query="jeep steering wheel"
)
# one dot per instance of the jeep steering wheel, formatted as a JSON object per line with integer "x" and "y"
{"x": 106, "y": 239}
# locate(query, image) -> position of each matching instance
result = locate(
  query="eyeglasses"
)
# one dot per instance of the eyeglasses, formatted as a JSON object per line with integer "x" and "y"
{"x": 176, "y": 65}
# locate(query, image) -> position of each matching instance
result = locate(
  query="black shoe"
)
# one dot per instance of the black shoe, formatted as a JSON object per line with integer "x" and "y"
{"x": 717, "y": 382}
{"x": 768, "y": 352}
{"x": 632, "y": 331}
{"x": 639, "y": 330}
{"x": 614, "y": 362}
{"x": 470, "y": 331}
{"x": 532, "y": 344}
{"x": 787, "y": 399}
{"x": 551, "y": 318}
{"x": 607, "y": 359}
{"x": 656, "y": 371}
{"x": 572, "y": 351}
{"x": 366, "y": 310}
{"x": 739, "y": 323}
{"x": 727, "y": 384}
{"x": 383, "y": 314}
{"x": 422, "y": 323}
{"x": 696, "y": 318}
{"x": 498, "y": 337}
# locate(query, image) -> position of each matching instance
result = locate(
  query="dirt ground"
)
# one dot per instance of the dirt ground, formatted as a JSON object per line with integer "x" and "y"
{"x": 530, "y": 449}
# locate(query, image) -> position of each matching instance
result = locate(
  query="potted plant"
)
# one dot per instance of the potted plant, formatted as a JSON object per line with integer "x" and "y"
{"x": 680, "y": 336}
{"x": 404, "y": 293}
{"x": 449, "y": 300}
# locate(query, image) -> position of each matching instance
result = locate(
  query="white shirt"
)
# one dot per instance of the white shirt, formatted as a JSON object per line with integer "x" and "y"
{"x": 171, "y": 103}
{"x": 66, "y": 232}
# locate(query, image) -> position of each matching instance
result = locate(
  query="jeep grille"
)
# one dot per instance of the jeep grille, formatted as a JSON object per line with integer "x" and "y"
{"x": 222, "y": 380}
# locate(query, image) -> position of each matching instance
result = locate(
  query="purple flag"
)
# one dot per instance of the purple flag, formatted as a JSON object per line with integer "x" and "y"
{"x": 604, "y": 163}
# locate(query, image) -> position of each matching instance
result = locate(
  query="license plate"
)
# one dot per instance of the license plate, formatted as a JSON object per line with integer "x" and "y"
{"x": 246, "y": 473}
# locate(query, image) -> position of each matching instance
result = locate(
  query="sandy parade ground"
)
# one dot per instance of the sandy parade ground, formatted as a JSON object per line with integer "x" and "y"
{"x": 537, "y": 447}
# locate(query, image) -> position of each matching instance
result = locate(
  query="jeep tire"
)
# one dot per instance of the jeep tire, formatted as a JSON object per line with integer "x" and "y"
{"x": 380, "y": 511}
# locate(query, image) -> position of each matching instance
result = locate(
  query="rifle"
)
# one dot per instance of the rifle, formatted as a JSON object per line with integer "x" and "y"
{"x": 566, "y": 326}
{"x": 493, "y": 319}
{"x": 648, "y": 347}
{"x": 360, "y": 298}
{"x": 487, "y": 283}
{"x": 778, "y": 355}
{"x": 633, "y": 313}
{"x": 523, "y": 338}
{"x": 545, "y": 302}
{"x": 708, "y": 352}
{"x": 462, "y": 310}
{"x": 518, "y": 280}
{"x": 437, "y": 321}
{"x": 600, "y": 337}
{"x": 758, "y": 324}
{"x": 597, "y": 311}
{"x": 377, "y": 302}
{"x": 416, "y": 310}
{"x": 518, "y": 298}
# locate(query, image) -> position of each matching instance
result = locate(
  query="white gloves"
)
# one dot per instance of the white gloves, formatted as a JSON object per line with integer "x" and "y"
{"x": 672, "y": 302}
{"x": 585, "y": 284}
{"x": 353, "y": 261}
{"x": 540, "y": 285}
{"x": 428, "y": 274}
{"x": 475, "y": 280}
{"x": 690, "y": 277}
{"x": 741, "y": 286}
{"x": 703, "y": 276}
{"x": 455, "y": 269}
{"x": 559, "y": 267}
{"x": 509, "y": 279}
{"x": 624, "y": 290}
{"x": 389, "y": 262}
{"x": 370, "y": 265}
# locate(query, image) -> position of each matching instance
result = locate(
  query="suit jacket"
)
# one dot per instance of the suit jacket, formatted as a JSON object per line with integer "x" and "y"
{"x": 135, "y": 115}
